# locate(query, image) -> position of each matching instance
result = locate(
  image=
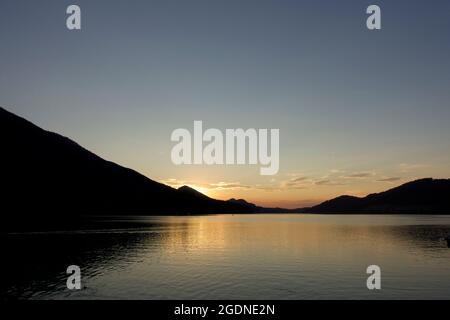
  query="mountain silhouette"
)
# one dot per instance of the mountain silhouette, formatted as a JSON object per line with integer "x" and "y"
{"x": 45, "y": 174}
{"x": 49, "y": 180}
{"x": 420, "y": 196}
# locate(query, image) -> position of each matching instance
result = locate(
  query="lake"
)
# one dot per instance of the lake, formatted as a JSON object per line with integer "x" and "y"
{"x": 267, "y": 256}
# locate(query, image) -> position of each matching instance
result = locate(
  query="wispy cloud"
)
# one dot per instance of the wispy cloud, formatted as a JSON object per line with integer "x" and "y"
{"x": 328, "y": 182}
{"x": 307, "y": 182}
{"x": 297, "y": 182}
{"x": 389, "y": 179}
{"x": 359, "y": 175}
{"x": 299, "y": 179}
{"x": 228, "y": 185}
{"x": 212, "y": 186}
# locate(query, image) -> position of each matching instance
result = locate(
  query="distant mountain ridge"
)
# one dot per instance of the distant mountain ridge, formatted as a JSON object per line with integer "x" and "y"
{"x": 420, "y": 196}
{"x": 45, "y": 174}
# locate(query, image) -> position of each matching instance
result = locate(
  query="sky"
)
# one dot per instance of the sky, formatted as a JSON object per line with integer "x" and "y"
{"x": 358, "y": 111}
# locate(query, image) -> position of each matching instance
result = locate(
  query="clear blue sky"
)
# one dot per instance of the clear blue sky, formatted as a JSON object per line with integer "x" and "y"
{"x": 358, "y": 110}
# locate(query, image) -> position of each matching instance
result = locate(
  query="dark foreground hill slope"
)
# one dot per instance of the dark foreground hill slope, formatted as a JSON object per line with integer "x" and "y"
{"x": 45, "y": 174}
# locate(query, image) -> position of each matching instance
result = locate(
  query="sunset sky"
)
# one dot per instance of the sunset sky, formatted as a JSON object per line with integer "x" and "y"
{"x": 359, "y": 111}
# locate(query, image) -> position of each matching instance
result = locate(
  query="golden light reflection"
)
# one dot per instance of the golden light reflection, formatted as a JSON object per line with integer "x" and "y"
{"x": 292, "y": 236}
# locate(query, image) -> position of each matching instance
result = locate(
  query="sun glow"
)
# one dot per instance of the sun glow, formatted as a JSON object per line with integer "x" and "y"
{"x": 201, "y": 189}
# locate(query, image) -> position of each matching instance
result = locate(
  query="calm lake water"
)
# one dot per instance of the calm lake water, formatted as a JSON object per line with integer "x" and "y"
{"x": 279, "y": 256}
